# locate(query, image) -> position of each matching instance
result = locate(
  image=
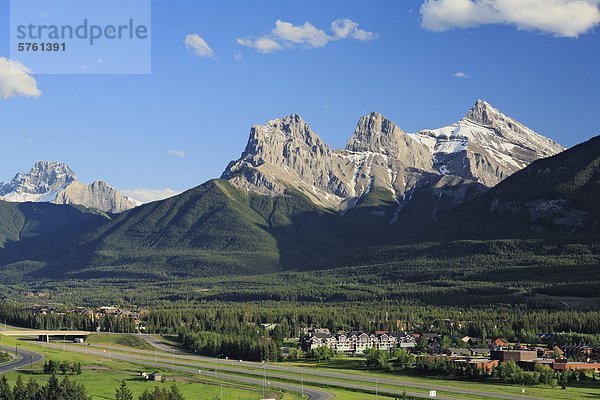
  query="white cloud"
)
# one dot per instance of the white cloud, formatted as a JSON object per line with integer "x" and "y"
{"x": 345, "y": 28}
{"x": 286, "y": 35}
{"x": 238, "y": 57}
{"x": 461, "y": 75}
{"x": 263, "y": 44}
{"x": 149, "y": 195}
{"x": 194, "y": 42}
{"x": 177, "y": 153}
{"x": 16, "y": 80}
{"x": 566, "y": 18}
{"x": 307, "y": 35}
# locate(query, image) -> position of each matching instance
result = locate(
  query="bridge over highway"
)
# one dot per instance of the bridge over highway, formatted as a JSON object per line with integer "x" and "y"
{"x": 44, "y": 335}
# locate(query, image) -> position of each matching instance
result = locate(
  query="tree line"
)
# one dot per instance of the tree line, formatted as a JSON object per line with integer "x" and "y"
{"x": 54, "y": 389}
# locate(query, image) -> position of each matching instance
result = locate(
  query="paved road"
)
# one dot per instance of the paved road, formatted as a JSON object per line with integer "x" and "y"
{"x": 26, "y": 358}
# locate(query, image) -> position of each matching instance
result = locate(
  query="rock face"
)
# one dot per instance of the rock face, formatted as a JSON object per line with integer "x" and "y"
{"x": 54, "y": 182}
{"x": 286, "y": 153}
{"x": 479, "y": 151}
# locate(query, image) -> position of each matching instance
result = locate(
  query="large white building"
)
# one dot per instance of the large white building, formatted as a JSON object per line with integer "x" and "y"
{"x": 357, "y": 342}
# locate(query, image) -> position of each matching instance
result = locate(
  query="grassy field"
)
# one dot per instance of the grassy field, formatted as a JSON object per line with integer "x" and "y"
{"x": 117, "y": 340}
{"x": 101, "y": 377}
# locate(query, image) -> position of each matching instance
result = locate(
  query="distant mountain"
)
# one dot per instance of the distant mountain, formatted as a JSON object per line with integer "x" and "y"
{"x": 54, "y": 182}
{"x": 559, "y": 195}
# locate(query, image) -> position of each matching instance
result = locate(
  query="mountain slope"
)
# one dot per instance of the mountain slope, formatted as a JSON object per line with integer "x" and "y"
{"x": 39, "y": 232}
{"x": 554, "y": 196}
{"x": 214, "y": 229}
{"x": 54, "y": 182}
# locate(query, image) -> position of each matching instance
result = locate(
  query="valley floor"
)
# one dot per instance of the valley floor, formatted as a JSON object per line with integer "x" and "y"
{"x": 109, "y": 359}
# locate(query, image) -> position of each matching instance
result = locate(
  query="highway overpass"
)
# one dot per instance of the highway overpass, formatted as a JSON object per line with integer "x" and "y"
{"x": 45, "y": 335}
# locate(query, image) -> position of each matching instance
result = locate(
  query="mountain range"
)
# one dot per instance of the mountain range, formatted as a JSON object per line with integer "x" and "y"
{"x": 54, "y": 182}
{"x": 484, "y": 147}
{"x": 290, "y": 200}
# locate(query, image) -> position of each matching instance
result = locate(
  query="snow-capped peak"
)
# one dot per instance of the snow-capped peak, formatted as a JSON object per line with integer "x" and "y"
{"x": 43, "y": 179}
{"x": 486, "y": 145}
{"x": 55, "y": 182}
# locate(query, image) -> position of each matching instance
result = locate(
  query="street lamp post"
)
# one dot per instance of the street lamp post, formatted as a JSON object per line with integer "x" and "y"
{"x": 217, "y": 374}
{"x": 302, "y": 380}
{"x": 265, "y": 380}
{"x": 16, "y": 353}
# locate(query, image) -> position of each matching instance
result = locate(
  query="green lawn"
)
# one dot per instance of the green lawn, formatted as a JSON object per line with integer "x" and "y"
{"x": 117, "y": 339}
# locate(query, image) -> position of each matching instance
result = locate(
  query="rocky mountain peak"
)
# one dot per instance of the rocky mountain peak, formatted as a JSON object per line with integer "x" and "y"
{"x": 283, "y": 153}
{"x": 377, "y": 134}
{"x": 486, "y": 145}
{"x": 43, "y": 177}
{"x": 287, "y": 134}
{"x": 483, "y": 148}
{"x": 482, "y": 113}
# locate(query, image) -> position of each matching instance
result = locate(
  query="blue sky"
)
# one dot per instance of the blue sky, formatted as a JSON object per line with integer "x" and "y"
{"x": 133, "y": 130}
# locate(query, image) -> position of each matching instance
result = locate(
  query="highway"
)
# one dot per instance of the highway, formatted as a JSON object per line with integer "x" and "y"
{"x": 251, "y": 372}
{"x": 26, "y": 358}
{"x": 367, "y": 383}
